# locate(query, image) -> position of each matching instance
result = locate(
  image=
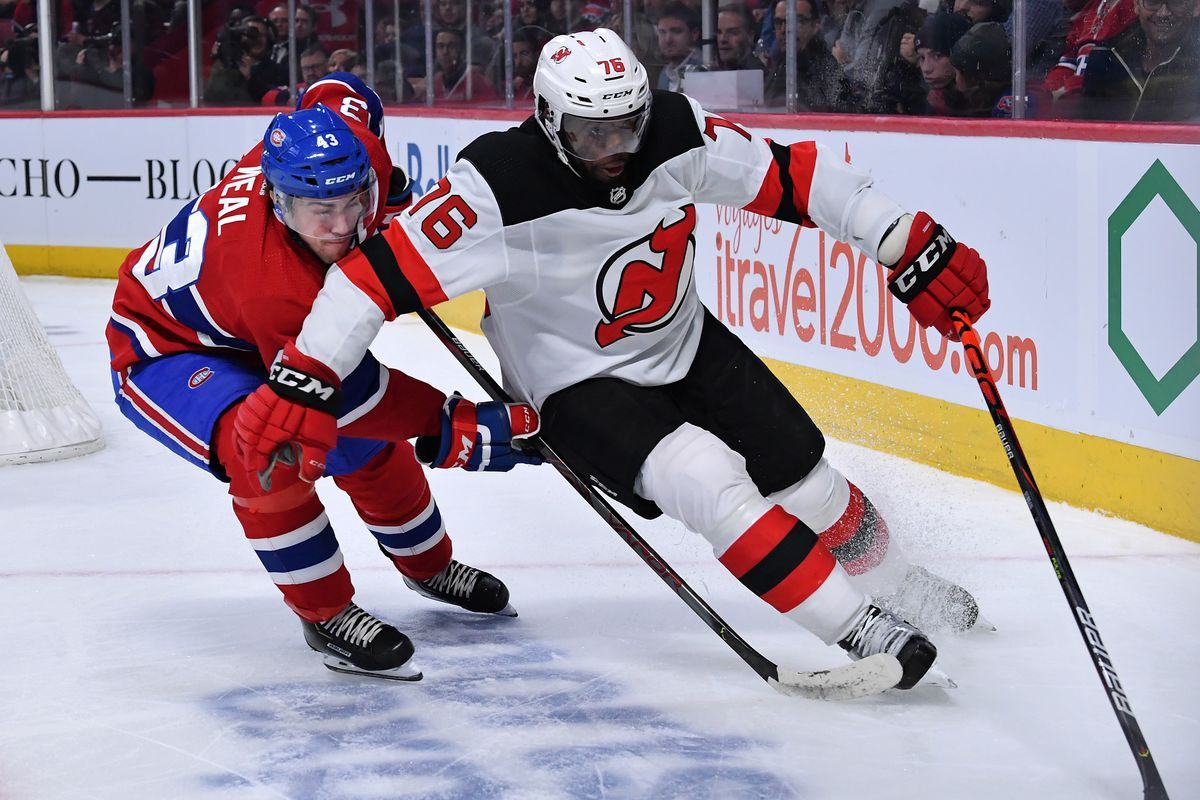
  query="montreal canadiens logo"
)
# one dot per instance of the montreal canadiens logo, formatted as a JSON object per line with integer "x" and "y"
{"x": 277, "y": 137}
{"x": 199, "y": 377}
{"x": 644, "y": 284}
{"x": 562, "y": 53}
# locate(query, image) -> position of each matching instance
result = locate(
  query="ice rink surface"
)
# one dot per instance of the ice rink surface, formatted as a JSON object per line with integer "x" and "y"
{"x": 147, "y": 655}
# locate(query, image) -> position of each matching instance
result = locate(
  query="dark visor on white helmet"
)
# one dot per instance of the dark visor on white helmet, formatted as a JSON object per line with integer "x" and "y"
{"x": 595, "y": 139}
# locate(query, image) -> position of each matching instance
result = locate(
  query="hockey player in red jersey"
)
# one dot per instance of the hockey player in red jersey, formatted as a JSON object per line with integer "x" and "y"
{"x": 205, "y": 313}
{"x": 579, "y": 226}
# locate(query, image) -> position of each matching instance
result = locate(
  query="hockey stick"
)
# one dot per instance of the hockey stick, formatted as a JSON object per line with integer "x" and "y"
{"x": 1151, "y": 781}
{"x": 860, "y": 678}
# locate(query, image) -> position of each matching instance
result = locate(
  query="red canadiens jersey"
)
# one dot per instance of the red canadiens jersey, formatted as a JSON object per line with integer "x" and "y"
{"x": 1096, "y": 21}
{"x": 584, "y": 280}
{"x": 224, "y": 274}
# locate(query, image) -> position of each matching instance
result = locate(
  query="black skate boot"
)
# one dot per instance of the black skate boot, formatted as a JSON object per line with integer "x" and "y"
{"x": 357, "y": 643}
{"x": 878, "y": 631}
{"x": 466, "y": 587}
{"x": 933, "y": 603}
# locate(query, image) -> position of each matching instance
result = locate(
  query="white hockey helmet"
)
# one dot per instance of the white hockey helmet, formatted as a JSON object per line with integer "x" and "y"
{"x": 593, "y": 97}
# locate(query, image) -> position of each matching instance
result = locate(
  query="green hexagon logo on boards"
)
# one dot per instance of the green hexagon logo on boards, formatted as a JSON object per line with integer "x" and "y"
{"x": 1156, "y": 183}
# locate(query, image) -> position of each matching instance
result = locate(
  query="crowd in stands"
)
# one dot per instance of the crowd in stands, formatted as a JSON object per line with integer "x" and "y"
{"x": 1083, "y": 59}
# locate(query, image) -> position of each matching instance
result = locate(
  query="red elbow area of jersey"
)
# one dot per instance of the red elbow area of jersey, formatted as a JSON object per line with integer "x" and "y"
{"x": 769, "y": 194}
{"x": 360, "y": 270}
{"x": 414, "y": 267}
{"x": 785, "y": 188}
{"x": 801, "y": 166}
{"x": 393, "y": 274}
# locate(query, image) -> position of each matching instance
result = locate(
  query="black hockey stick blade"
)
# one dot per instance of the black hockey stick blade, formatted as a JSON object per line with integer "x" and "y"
{"x": 858, "y": 679}
{"x": 1152, "y": 783}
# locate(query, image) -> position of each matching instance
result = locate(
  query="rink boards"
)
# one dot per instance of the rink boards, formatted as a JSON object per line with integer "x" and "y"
{"x": 1094, "y": 332}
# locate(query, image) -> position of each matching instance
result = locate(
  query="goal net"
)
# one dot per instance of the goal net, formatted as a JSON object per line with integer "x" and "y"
{"x": 42, "y": 415}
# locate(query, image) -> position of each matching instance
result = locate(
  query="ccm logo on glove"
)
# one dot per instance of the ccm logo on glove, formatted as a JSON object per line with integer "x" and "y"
{"x": 302, "y": 387}
{"x": 917, "y": 275}
{"x": 937, "y": 275}
{"x": 291, "y": 417}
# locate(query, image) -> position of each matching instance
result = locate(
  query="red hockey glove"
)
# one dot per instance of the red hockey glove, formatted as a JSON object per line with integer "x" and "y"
{"x": 937, "y": 275}
{"x": 482, "y": 436}
{"x": 295, "y": 409}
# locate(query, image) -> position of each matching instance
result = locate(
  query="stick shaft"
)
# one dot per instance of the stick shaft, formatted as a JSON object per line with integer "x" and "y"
{"x": 1117, "y": 698}
{"x": 766, "y": 669}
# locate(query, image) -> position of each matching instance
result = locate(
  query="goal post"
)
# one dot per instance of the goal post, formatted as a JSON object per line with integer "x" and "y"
{"x": 42, "y": 415}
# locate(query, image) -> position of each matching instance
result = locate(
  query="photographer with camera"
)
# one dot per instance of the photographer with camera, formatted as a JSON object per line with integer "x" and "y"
{"x": 90, "y": 56}
{"x": 242, "y": 69}
{"x": 19, "y": 70}
{"x": 97, "y": 74}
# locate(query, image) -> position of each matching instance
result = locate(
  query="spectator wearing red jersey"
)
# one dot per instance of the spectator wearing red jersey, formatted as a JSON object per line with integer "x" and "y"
{"x": 1091, "y": 21}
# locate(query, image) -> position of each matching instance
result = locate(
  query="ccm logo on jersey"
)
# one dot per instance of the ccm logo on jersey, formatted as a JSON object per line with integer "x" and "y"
{"x": 916, "y": 276}
{"x": 199, "y": 377}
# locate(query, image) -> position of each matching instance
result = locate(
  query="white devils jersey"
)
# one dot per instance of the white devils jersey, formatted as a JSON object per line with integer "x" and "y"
{"x": 584, "y": 281}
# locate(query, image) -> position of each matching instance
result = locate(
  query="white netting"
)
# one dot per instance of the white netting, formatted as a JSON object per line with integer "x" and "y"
{"x": 42, "y": 414}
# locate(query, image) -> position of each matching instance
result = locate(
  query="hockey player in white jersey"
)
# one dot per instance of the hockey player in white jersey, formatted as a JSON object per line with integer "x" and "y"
{"x": 579, "y": 226}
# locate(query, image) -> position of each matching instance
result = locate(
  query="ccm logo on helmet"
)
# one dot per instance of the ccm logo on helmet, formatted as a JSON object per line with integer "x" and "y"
{"x": 340, "y": 178}
{"x": 615, "y": 95}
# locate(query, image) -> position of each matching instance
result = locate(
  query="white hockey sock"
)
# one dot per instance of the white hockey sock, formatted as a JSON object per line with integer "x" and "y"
{"x": 696, "y": 478}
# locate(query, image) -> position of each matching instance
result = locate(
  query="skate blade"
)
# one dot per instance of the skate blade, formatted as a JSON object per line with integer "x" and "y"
{"x": 507, "y": 611}
{"x": 935, "y": 677}
{"x": 407, "y": 671}
{"x": 983, "y": 623}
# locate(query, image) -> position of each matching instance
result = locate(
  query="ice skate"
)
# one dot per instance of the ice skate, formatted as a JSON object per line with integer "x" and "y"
{"x": 357, "y": 643}
{"x": 878, "y": 631}
{"x": 466, "y": 587}
{"x": 933, "y": 603}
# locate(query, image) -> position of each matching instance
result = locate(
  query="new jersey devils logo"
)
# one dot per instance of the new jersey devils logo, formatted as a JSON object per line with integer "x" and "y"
{"x": 562, "y": 53}
{"x": 643, "y": 285}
